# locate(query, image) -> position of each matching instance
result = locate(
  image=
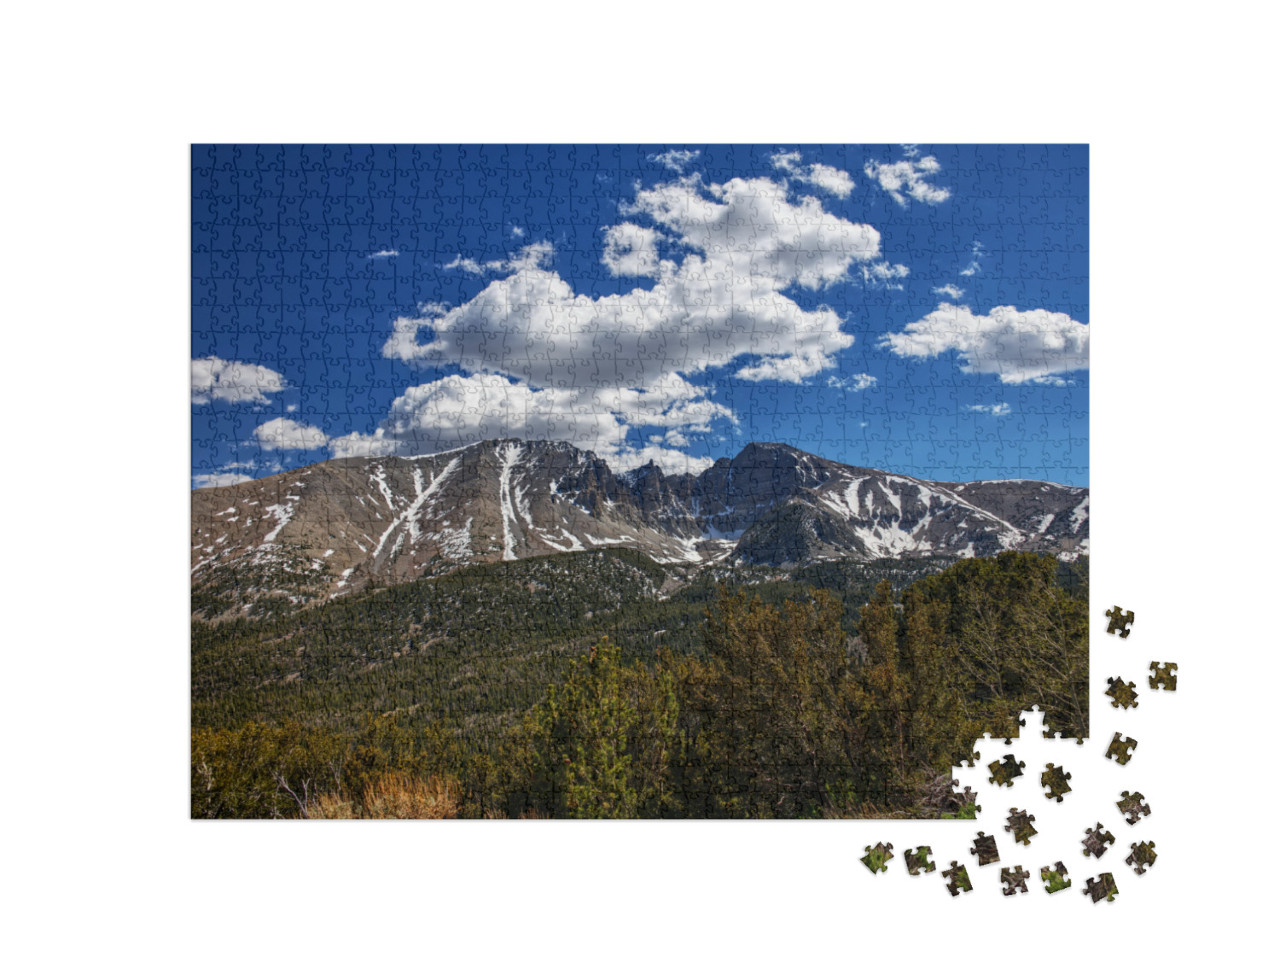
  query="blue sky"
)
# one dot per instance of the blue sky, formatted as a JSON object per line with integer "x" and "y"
{"x": 916, "y": 308}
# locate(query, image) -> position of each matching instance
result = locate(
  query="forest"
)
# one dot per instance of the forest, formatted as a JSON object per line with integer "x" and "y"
{"x": 572, "y": 686}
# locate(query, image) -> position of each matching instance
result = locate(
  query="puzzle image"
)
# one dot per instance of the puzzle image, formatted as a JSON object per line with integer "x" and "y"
{"x": 660, "y": 481}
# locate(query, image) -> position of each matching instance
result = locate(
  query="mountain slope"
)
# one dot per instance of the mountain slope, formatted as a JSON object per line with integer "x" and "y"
{"x": 270, "y": 545}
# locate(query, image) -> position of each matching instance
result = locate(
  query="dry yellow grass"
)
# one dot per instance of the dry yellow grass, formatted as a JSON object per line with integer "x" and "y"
{"x": 394, "y": 796}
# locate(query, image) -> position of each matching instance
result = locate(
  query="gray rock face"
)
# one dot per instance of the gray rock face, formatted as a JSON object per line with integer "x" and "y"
{"x": 339, "y": 525}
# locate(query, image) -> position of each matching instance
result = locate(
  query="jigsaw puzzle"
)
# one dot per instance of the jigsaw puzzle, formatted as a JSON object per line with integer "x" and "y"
{"x": 1019, "y": 823}
{"x": 1103, "y": 887}
{"x": 984, "y": 847}
{"x": 1015, "y": 880}
{"x": 1120, "y": 748}
{"x": 1122, "y": 694}
{"x": 1055, "y": 879}
{"x": 629, "y": 481}
{"x": 1133, "y": 806}
{"x": 1096, "y": 841}
{"x": 919, "y": 861}
{"x": 1141, "y": 856}
{"x": 878, "y": 856}
{"x": 1163, "y": 676}
{"x": 1054, "y": 781}
{"x": 1119, "y": 621}
{"x": 957, "y": 879}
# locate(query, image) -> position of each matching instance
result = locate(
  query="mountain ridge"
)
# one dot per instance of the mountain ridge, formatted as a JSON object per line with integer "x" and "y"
{"x": 337, "y": 526}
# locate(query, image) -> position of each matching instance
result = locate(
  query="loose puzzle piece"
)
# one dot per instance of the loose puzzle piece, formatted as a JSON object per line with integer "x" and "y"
{"x": 1133, "y": 805}
{"x": 877, "y": 858}
{"x": 1163, "y": 675}
{"x": 1096, "y": 841}
{"x": 1141, "y": 856}
{"x": 1104, "y": 887}
{"x": 919, "y": 861}
{"x": 984, "y": 847}
{"x": 1004, "y": 773}
{"x": 1054, "y": 879}
{"x": 1055, "y": 782}
{"x": 958, "y": 878}
{"x": 1122, "y": 693}
{"x": 1019, "y": 823}
{"x": 1119, "y": 621}
{"x": 1014, "y": 881}
{"x": 1120, "y": 748}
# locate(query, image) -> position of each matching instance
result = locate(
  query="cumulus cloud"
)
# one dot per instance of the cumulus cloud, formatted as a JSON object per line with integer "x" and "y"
{"x": 908, "y": 178}
{"x": 823, "y": 176}
{"x": 383, "y": 253}
{"x": 213, "y": 379}
{"x": 884, "y": 273}
{"x": 950, "y": 291}
{"x": 997, "y": 409}
{"x": 219, "y": 479}
{"x": 287, "y": 434}
{"x": 1018, "y": 346}
{"x": 859, "y": 382}
{"x": 631, "y": 250}
{"x": 676, "y": 160}
{"x": 725, "y": 302}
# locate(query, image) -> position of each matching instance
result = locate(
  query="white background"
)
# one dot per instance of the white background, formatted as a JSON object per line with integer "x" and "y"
{"x": 102, "y": 102}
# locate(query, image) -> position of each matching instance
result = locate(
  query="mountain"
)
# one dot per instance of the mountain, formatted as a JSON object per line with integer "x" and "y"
{"x": 275, "y": 543}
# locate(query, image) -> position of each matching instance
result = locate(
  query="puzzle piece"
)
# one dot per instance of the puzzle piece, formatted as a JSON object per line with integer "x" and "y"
{"x": 1119, "y": 621}
{"x": 1104, "y": 887}
{"x": 1120, "y": 749}
{"x": 1019, "y": 823}
{"x": 1055, "y": 879}
{"x": 1141, "y": 856}
{"x": 1054, "y": 780}
{"x": 958, "y": 878}
{"x": 1014, "y": 881}
{"x": 984, "y": 847}
{"x": 1133, "y": 805}
{"x": 919, "y": 861}
{"x": 1122, "y": 693}
{"x": 877, "y": 858}
{"x": 1163, "y": 676}
{"x": 1096, "y": 841}
{"x": 1004, "y": 773}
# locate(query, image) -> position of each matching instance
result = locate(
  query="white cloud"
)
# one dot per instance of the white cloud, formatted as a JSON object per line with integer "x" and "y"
{"x": 219, "y": 479}
{"x": 908, "y": 178}
{"x": 537, "y": 255}
{"x": 290, "y": 409}
{"x": 213, "y": 379}
{"x": 671, "y": 462}
{"x": 882, "y": 272}
{"x": 382, "y": 254}
{"x": 997, "y": 409}
{"x": 910, "y": 150}
{"x": 676, "y": 160}
{"x": 859, "y": 382}
{"x": 823, "y": 176}
{"x": 975, "y": 259}
{"x": 631, "y": 250}
{"x": 517, "y": 231}
{"x": 1018, "y": 346}
{"x": 287, "y": 434}
{"x": 950, "y": 291}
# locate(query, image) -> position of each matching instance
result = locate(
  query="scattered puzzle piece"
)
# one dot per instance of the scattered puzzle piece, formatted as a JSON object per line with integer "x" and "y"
{"x": 1102, "y": 888}
{"x": 1163, "y": 675}
{"x": 919, "y": 861}
{"x": 1123, "y": 694}
{"x": 958, "y": 878}
{"x": 1133, "y": 805}
{"x": 1014, "y": 881}
{"x": 877, "y": 858}
{"x": 1004, "y": 773}
{"x": 1054, "y": 780}
{"x": 1019, "y": 823}
{"x": 1096, "y": 841}
{"x": 1141, "y": 856}
{"x": 1055, "y": 879}
{"x": 1119, "y": 621}
{"x": 984, "y": 847}
{"x": 1120, "y": 748}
